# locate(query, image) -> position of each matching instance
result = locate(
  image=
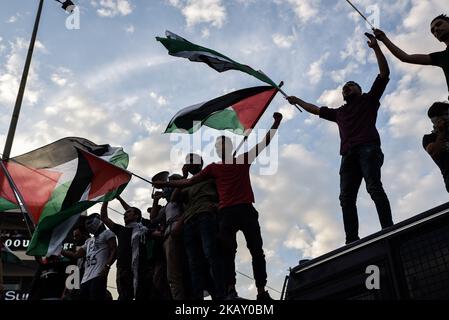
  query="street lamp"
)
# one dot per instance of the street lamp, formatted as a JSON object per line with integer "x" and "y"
{"x": 67, "y": 6}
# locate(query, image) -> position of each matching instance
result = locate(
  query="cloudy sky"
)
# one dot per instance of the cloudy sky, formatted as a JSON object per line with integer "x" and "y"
{"x": 111, "y": 82}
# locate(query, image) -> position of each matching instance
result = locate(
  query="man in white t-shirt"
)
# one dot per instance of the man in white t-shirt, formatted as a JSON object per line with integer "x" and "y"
{"x": 100, "y": 253}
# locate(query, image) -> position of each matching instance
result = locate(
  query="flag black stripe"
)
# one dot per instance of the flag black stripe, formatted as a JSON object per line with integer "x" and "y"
{"x": 59, "y": 152}
{"x": 80, "y": 182}
{"x": 185, "y": 121}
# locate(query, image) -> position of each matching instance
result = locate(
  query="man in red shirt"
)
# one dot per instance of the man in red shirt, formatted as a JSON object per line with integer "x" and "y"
{"x": 236, "y": 209}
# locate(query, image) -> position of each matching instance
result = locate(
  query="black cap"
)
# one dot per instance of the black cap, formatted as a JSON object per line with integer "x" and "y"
{"x": 438, "y": 109}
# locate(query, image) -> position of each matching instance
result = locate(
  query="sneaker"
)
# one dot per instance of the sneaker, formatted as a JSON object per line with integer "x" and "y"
{"x": 232, "y": 295}
{"x": 351, "y": 240}
{"x": 264, "y": 296}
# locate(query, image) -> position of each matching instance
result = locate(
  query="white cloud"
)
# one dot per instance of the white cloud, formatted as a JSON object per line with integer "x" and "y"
{"x": 130, "y": 29}
{"x": 356, "y": 47}
{"x": 56, "y": 78}
{"x": 117, "y": 71}
{"x": 343, "y": 74}
{"x": 283, "y": 41}
{"x": 11, "y": 73}
{"x": 288, "y": 111}
{"x": 12, "y": 19}
{"x": 205, "y": 33}
{"x": 315, "y": 72}
{"x": 332, "y": 98}
{"x": 160, "y": 100}
{"x": 112, "y": 8}
{"x": 305, "y": 10}
{"x": 202, "y": 11}
{"x": 60, "y": 77}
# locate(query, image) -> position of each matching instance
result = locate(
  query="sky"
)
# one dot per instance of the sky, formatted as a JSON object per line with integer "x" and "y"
{"x": 110, "y": 82}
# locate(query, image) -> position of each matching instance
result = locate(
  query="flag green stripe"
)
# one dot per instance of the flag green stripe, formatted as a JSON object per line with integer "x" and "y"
{"x": 43, "y": 233}
{"x": 191, "y": 51}
{"x": 6, "y": 205}
{"x": 225, "y": 120}
{"x": 121, "y": 160}
{"x": 51, "y": 215}
{"x": 222, "y": 120}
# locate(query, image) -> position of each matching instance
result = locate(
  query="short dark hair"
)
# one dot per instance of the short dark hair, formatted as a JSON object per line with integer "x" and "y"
{"x": 193, "y": 158}
{"x": 137, "y": 210}
{"x": 93, "y": 216}
{"x": 354, "y": 83}
{"x": 442, "y": 17}
{"x": 438, "y": 109}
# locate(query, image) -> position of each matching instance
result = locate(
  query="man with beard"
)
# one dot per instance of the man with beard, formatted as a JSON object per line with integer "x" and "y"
{"x": 80, "y": 236}
{"x": 133, "y": 265}
{"x": 100, "y": 252}
{"x": 439, "y": 27}
{"x": 200, "y": 231}
{"x": 362, "y": 157}
{"x": 437, "y": 142}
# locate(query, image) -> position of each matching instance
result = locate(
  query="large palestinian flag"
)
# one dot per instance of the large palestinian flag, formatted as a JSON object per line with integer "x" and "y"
{"x": 180, "y": 47}
{"x": 59, "y": 181}
{"x": 239, "y": 111}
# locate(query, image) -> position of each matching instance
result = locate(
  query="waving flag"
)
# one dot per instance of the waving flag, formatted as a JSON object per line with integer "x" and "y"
{"x": 180, "y": 47}
{"x": 236, "y": 110}
{"x": 8, "y": 256}
{"x": 59, "y": 181}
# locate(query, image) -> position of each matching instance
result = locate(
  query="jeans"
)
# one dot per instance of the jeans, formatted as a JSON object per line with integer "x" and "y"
{"x": 362, "y": 161}
{"x": 94, "y": 289}
{"x": 173, "y": 248}
{"x": 125, "y": 286}
{"x": 200, "y": 239}
{"x": 242, "y": 217}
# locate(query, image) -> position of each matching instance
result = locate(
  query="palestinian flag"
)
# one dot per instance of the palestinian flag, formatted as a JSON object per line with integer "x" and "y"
{"x": 59, "y": 181}
{"x": 180, "y": 47}
{"x": 7, "y": 256}
{"x": 239, "y": 111}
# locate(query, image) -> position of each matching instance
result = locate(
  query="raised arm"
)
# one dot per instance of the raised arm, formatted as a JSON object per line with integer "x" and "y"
{"x": 74, "y": 254}
{"x": 104, "y": 215}
{"x": 252, "y": 154}
{"x": 305, "y": 105}
{"x": 384, "y": 70}
{"x": 123, "y": 203}
{"x": 422, "y": 59}
{"x": 183, "y": 183}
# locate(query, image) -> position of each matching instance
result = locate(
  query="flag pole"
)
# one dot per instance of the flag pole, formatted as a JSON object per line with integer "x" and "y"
{"x": 19, "y": 199}
{"x": 248, "y": 131}
{"x": 360, "y": 13}
{"x": 126, "y": 170}
{"x": 141, "y": 178}
{"x": 280, "y": 90}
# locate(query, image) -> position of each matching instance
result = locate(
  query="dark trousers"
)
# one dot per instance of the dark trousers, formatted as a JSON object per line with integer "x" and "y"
{"x": 365, "y": 162}
{"x": 125, "y": 286}
{"x": 243, "y": 217}
{"x": 446, "y": 182}
{"x": 94, "y": 289}
{"x": 200, "y": 239}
